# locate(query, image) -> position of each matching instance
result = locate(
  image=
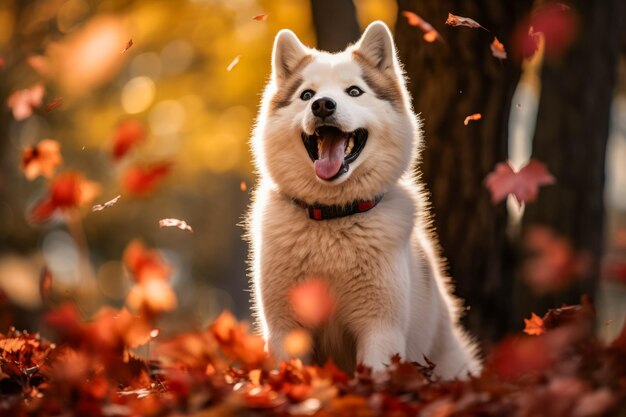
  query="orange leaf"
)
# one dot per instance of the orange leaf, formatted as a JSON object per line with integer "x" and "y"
{"x": 497, "y": 49}
{"x": 128, "y": 45}
{"x": 243, "y": 186}
{"x": 41, "y": 159}
{"x": 454, "y": 20}
{"x": 152, "y": 295}
{"x": 144, "y": 263}
{"x": 23, "y": 102}
{"x": 475, "y": 116}
{"x": 260, "y": 17}
{"x": 312, "y": 302}
{"x": 534, "y": 325}
{"x": 297, "y": 343}
{"x": 430, "y": 33}
{"x": 235, "y": 341}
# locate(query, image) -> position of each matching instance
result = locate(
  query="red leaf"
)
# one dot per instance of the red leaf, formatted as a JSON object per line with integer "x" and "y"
{"x": 534, "y": 325}
{"x": 128, "y": 134}
{"x": 524, "y": 184}
{"x": 41, "y": 159}
{"x": 454, "y": 20}
{"x": 54, "y": 104}
{"x": 312, "y": 302}
{"x": 144, "y": 263}
{"x": 181, "y": 224}
{"x": 430, "y": 33}
{"x": 23, "y": 102}
{"x": 68, "y": 190}
{"x": 140, "y": 181}
{"x": 497, "y": 49}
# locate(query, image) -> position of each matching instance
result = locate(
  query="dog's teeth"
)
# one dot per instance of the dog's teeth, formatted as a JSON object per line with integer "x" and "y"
{"x": 351, "y": 142}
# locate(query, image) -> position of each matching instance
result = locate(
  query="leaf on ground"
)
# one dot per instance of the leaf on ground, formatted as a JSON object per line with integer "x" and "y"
{"x": 454, "y": 20}
{"x": 430, "y": 33}
{"x": 524, "y": 184}
{"x": 497, "y": 49}
{"x": 181, "y": 224}
{"x": 108, "y": 204}
{"x": 534, "y": 325}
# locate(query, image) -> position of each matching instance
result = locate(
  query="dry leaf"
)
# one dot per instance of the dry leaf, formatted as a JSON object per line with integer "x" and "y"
{"x": 534, "y": 325}
{"x": 454, "y": 20}
{"x": 128, "y": 45}
{"x": 152, "y": 295}
{"x": 475, "y": 116}
{"x": 524, "y": 184}
{"x": 497, "y": 49}
{"x": 108, "y": 204}
{"x": 430, "y": 33}
{"x": 233, "y": 63}
{"x": 140, "y": 181}
{"x": 260, "y": 17}
{"x": 145, "y": 263}
{"x": 41, "y": 159}
{"x": 54, "y": 104}
{"x": 181, "y": 224}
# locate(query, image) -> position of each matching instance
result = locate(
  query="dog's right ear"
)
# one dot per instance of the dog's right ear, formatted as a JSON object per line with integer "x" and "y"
{"x": 288, "y": 53}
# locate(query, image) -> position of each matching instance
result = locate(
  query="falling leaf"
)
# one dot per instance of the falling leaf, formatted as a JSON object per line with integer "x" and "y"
{"x": 140, "y": 181}
{"x": 312, "y": 302}
{"x": 260, "y": 17}
{"x": 41, "y": 159}
{"x": 475, "y": 116}
{"x": 108, "y": 204}
{"x": 534, "y": 325}
{"x": 233, "y": 63}
{"x": 181, "y": 224}
{"x": 430, "y": 33}
{"x": 144, "y": 263}
{"x": 243, "y": 186}
{"x": 45, "y": 284}
{"x": 128, "y": 45}
{"x": 54, "y": 104}
{"x": 497, "y": 49}
{"x": 524, "y": 184}
{"x": 68, "y": 190}
{"x": 128, "y": 134}
{"x": 454, "y": 20}
{"x": 23, "y": 102}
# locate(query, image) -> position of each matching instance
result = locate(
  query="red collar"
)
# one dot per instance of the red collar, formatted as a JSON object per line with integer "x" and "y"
{"x": 323, "y": 212}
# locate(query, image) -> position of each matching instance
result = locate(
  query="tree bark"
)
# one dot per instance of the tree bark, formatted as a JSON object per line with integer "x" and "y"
{"x": 335, "y": 24}
{"x": 570, "y": 137}
{"x": 448, "y": 81}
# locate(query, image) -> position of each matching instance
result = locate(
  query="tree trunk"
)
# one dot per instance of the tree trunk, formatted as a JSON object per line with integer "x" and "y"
{"x": 335, "y": 24}
{"x": 448, "y": 81}
{"x": 570, "y": 137}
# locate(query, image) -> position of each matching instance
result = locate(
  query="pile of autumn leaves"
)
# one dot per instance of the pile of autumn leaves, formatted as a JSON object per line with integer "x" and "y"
{"x": 223, "y": 370}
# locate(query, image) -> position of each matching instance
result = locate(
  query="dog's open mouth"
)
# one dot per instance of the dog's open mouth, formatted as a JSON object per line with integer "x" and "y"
{"x": 332, "y": 150}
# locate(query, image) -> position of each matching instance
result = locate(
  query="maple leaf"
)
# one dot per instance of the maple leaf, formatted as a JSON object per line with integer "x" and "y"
{"x": 312, "y": 302}
{"x": 430, "y": 33}
{"x": 475, "y": 116}
{"x": 260, "y": 17}
{"x": 128, "y": 134}
{"x": 524, "y": 184}
{"x": 68, "y": 190}
{"x": 233, "y": 63}
{"x": 534, "y": 325}
{"x": 181, "y": 224}
{"x": 497, "y": 49}
{"x": 108, "y": 204}
{"x": 41, "y": 159}
{"x": 23, "y": 102}
{"x": 140, "y": 181}
{"x": 144, "y": 263}
{"x": 454, "y": 20}
{"x": 128, "y": 45}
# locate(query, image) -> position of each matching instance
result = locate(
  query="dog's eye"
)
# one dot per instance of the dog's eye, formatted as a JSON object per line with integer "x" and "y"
{"x": 307, "y": 95}
{"x": 354, "y": 91}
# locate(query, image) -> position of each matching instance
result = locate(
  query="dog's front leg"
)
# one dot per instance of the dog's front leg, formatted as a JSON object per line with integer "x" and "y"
{"x": 377, "y": 342}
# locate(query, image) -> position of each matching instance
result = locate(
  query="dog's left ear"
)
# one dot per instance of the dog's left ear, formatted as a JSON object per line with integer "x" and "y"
{"x": 376, "y": 45}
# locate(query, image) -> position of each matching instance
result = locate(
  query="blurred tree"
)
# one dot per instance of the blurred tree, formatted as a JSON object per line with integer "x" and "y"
{"x": 449, "y": 81}
{"x": 335, "y": 24}
{"x": 571, "y": 136}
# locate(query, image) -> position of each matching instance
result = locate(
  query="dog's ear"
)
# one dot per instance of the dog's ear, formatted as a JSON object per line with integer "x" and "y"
{"x": 376, "y": 45}
{"x": 287, "y": 54}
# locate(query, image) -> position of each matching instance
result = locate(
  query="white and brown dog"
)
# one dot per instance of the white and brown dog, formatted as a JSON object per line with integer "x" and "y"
{"x": 334, "y": 143}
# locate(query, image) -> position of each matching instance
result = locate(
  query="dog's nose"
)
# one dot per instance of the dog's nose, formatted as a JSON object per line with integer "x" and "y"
{"x": 323, "y": 107}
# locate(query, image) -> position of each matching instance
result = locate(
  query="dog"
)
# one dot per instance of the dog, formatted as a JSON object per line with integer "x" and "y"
{"x": 337, "y": 199}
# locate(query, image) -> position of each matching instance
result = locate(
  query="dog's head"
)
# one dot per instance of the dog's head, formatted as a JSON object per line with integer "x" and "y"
{"x": 338, "y": 127}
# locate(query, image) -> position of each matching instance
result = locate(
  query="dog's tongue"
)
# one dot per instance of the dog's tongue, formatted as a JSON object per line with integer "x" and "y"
{"x": 331, "y": 151}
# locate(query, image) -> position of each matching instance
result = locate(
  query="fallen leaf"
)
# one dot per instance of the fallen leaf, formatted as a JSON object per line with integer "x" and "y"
{"x": 497, "y": 49}
{"x": 430, "y": 33}
{"x": 128, "y": 45}
{"x": 54, "y": 104}
{"x": 128, "y": 134}
{"x": 140, "y": 181}
{"x": 68, "y": 190}
{"x": 454, "y": 20}
{"x": 475, "y": 116}
{"x": 260, "y": 17}
{"x": 41, "y": 159}
{"x": 23, "y": 102}
{"x": 312, "y": 302}
{"x": 524, "y": 184}
{"x": 233, "y": 63}
{"x": 236, "y": 343}
{"x": 181, "y": 224}
{"x": 534, "y": 325}
{"x": 108, "y": 204}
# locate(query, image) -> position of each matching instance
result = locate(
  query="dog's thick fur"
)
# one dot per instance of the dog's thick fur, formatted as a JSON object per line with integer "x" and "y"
{"x": 382, "y": 265}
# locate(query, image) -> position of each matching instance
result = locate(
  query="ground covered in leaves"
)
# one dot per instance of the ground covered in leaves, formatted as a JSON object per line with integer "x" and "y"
{"x": 559, "y": 369}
